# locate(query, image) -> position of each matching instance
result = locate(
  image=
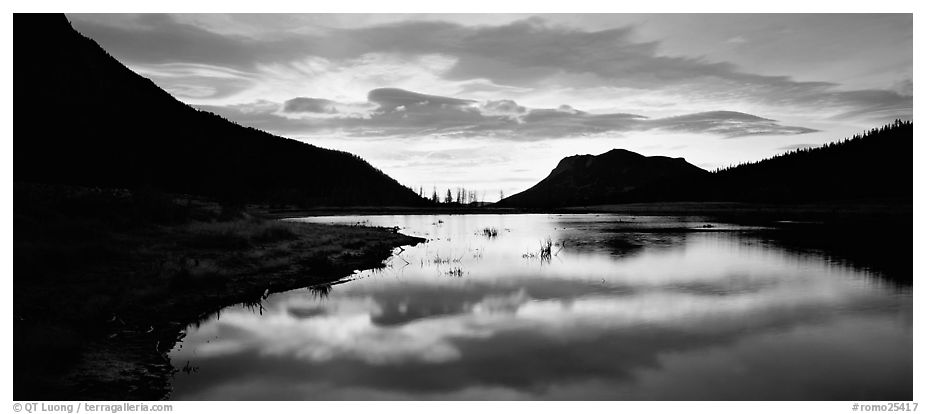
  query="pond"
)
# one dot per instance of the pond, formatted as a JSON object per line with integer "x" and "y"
{"x": 566, "y": 307}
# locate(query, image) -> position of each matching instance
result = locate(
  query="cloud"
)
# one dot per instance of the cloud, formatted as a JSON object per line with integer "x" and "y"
{"x": 314, "y": 105}
{"x": 737, "y": 40}
{"x": 530, "y": 53}
{"x": 504, "y": 107}
{"x": 728, "y": 123}
{"x": 160, "y": 38}
{"x": 396, "y": 112}
{"x": 389, "y": 99}
{"x": 904, "y": 87}
{"x": 198, "y": 81}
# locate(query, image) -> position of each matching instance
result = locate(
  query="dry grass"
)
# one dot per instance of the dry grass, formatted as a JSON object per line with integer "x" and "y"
{"x": 455, "y": 272}
{"x": 546, "y": 248}
{"x": 238, "y": 234}
{"x": 77, "y": 272}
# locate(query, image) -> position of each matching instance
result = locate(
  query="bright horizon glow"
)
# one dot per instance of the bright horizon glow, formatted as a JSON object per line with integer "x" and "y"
{"x": 508, "y": 96}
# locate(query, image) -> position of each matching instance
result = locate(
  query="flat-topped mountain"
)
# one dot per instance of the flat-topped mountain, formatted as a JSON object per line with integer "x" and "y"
{"x": 874, "y": 165}
{"x": 615, "y": 176}
{"x": 84, "y": 118}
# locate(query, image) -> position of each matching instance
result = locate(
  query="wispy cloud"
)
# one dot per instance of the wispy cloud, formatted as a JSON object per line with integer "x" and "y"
{"x": 528, "y": 53}
{"x": 534, "y": 88}
{"x": 396, "y": 112}
{"x": 311, "y": 105}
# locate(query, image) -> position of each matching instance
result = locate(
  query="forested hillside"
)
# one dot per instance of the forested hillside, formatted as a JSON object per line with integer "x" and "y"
{"x": 83, "y": 118}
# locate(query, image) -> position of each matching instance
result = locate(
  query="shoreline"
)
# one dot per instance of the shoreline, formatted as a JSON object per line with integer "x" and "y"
{"x": 118, "y": 300}
{"x": 835, "y": 212}
{"x": 249, "y": 292}
{"x": 134, "y": 364}
{"x": 95, "y": 319}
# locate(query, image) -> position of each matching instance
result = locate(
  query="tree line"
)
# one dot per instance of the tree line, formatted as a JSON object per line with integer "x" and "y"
{"x": 876, "y": 163}
{"x": 892, "y": 131}
{"x": 455, "y": 195}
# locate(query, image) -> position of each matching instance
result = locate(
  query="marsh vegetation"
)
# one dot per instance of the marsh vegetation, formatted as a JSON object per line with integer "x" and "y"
{"x": 112, "y": 276}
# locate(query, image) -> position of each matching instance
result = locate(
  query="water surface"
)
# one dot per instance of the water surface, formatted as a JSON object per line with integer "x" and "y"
{"x": 623, "y": 308}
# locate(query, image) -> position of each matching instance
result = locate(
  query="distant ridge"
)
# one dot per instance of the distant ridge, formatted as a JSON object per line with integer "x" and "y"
{"x": 875, "y": 165}
{"x": 81, "y": 117}
{"x": 615, "y": 176}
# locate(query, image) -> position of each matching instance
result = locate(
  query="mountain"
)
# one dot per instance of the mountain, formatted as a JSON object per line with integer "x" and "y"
{"x": 613, "y": 177}
{"x": 81, "y": 117}
{"x": 875, "y": 165}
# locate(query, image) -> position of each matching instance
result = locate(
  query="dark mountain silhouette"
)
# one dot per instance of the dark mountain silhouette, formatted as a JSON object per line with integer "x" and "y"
{"x": 613, "y": 177}
{"x": 874, "y": 165}
{"x": 83, "y": 118}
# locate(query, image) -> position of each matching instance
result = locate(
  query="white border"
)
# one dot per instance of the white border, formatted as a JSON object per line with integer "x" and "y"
{"x": 482, "y": 6}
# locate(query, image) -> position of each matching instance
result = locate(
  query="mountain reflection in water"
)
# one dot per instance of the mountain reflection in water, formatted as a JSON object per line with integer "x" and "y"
{"x": 668, "y": 308}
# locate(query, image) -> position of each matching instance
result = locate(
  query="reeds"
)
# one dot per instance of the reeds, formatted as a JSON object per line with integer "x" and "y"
{"x": 545, "y": 254}
{"x": 455, "y": 272}
{"x": 438, "y": 259}
{"x": 546, "y": 248}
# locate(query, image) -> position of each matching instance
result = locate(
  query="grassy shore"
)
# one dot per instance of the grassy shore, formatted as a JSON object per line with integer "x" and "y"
{"x": 104, "y": 281}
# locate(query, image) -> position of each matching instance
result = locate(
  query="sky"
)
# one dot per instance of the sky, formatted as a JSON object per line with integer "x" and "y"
{"x": 492, "y": 102}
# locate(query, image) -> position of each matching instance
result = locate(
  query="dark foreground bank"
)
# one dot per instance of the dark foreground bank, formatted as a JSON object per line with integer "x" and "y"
{"x": 106, "y": 280}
